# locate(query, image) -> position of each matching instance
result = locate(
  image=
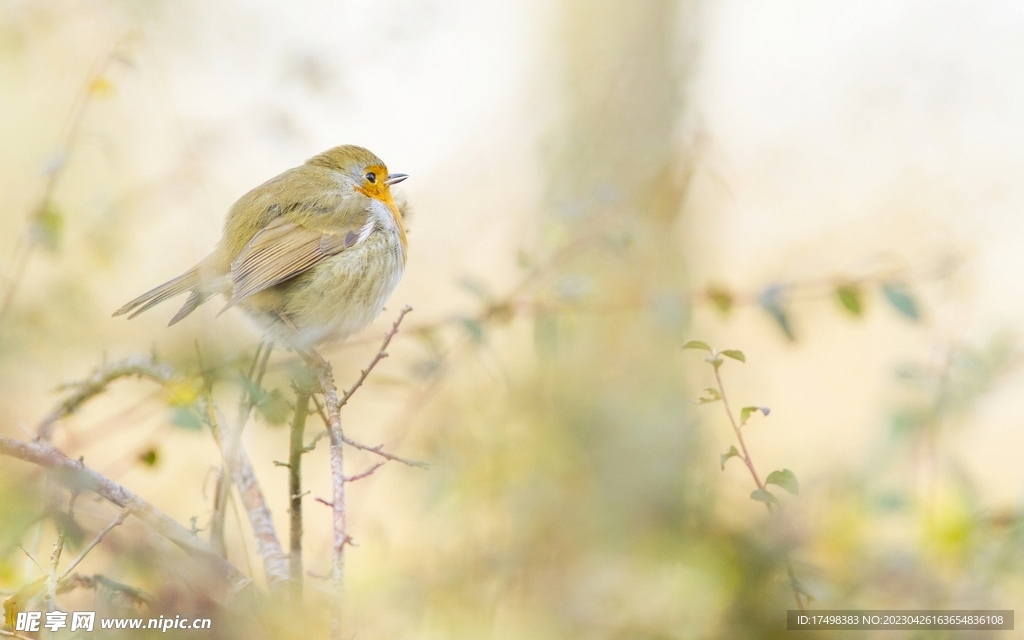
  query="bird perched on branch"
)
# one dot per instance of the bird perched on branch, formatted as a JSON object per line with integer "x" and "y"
{"x": 311, "y": 255}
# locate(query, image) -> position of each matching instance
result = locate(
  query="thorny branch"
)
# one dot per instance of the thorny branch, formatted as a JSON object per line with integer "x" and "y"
{"x": 379, "y": 449}
{"x": 333, "y": 404}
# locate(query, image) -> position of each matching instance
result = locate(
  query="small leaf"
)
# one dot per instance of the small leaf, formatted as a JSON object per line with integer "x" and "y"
{"x": 746, "y": 411}
{"x": 731, "y": 453}
{"x": 899, "y": 296}
{"x": 735, "y": 354}
{"x": 712, "y": 396}
{"x": 697, "y": 344}
{"x": 772, "y": 300}
{"x": 785, "y": 479}
{"x": 849, "y": 296}
{"x": 762, "y": 495}
{"x": 721, "y": 298}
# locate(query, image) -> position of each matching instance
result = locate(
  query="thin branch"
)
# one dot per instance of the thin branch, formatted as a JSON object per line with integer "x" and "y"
{"x": 58, "y": 548}
{"x": 32, "y": 558}
{"x": 340, "y": 524}
{"x": 360, "y": 476}
{"x": 77, "y": 477}
{"x": 295, "y": 450}
{"x": 749, "y": 462}
{"x": 136, "y": 366}
{"x": 380, "y": 355}
{"x": 379, "y": 449}
{"x": 95, "y": 541}
{"x": 739, "y": 435}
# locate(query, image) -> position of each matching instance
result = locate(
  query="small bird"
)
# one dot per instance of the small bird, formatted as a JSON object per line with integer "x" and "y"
{"x": 311, "y": 255}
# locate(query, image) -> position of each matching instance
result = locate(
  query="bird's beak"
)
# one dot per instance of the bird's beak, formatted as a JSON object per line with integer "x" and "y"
{"x": 395, "y": 178}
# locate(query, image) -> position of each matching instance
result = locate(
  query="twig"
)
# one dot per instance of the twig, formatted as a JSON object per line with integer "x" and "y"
{"x": 76, "y": 476}
{"x": 295, "y": 450}
{"x": 32, "y": 558}
{"x": 340, "y": 524}
{"x": 58, "y": 548}
{"x": 380, "y": 355}
{"x": 379, "y": 449}
{"x": 95, "y": 541}
{"x": 135, "y": 366}
{"x": 360, "y": 476}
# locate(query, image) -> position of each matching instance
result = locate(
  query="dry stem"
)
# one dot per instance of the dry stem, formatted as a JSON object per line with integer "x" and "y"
{"x": 76, "y": 476}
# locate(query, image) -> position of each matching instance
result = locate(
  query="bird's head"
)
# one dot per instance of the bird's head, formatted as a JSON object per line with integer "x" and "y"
{"x": 364, "y": 169}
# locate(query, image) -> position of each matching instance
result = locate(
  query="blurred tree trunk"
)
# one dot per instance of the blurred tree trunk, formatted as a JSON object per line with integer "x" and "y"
{"x": 617, "y": 169}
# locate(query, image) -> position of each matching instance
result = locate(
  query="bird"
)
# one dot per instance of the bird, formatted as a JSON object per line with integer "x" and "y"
{"x": 311, "y": 255}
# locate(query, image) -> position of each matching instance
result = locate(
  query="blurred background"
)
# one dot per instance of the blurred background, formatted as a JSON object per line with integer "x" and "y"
{"x": 831, "y": 188}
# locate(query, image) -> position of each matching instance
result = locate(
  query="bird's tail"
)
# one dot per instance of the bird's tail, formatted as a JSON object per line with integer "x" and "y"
{"x": 188, "y": 281}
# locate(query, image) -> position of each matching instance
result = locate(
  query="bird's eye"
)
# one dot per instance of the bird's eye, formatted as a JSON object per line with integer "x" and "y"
{"x": 371, "y": 177}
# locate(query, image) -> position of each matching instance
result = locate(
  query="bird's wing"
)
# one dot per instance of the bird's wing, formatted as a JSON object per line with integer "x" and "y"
{"x": 282, "y": 250}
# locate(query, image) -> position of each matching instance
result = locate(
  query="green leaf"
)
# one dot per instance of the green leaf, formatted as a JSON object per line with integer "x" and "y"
{"x": 697, "y": 344}
{"x": 474, "y": 328}
{"x": 48, "y": 226}
{"x": 773, "y": 301}
{"x": 746, "y": 411}
{"x": 731, "y": 453}
{"x": 762, "y": 495}
{"x": 712, "y": 396}
{"x": 721, "y": 298}
{"x": 785, "y": 479}
{"x": 850, "y": 296}
{"x": 735, "y": 354}
{"x": 899, "y": 296}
